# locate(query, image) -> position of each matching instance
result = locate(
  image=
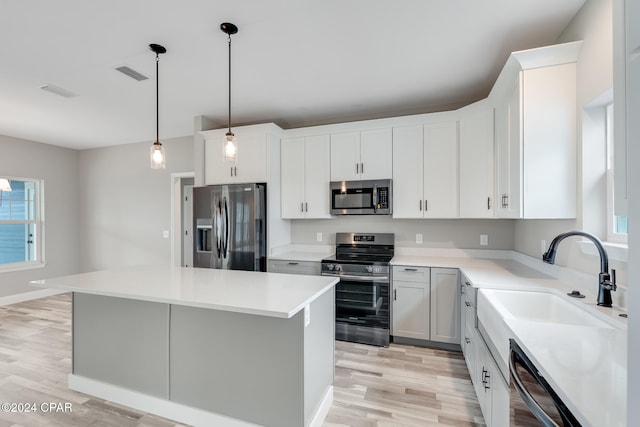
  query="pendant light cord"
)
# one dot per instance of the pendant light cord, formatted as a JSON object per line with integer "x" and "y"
{"x": 157, "y": 99}
{"x": 229, "y": 41}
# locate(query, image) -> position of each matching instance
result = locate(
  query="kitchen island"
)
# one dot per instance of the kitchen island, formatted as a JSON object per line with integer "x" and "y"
{"x": 205, "y": 347}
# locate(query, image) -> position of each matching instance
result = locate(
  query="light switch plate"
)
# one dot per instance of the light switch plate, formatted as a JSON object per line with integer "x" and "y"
{"x": 165, "y": 234}
{"x": 419, "y": 238}
{"x": 484, "y": 240}
{"x": 319, "y": 236}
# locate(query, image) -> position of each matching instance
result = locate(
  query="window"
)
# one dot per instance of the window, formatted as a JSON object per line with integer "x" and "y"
{"x": 20, "y": 223}
{"x": 617, "y": 226}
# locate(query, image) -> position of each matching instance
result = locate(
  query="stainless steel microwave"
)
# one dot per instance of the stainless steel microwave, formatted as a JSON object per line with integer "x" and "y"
{"x": 369, "y": 197}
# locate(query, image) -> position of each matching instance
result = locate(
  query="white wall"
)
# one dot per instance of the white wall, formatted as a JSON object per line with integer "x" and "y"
{"x": 436, "y": 233}
{"x": 58, "y": 167}
{"x": 125, "y": 205}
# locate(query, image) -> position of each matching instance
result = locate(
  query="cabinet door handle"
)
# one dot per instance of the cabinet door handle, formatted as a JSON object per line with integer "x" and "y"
{"x": 505, "y": 200}
{"x": 306, "y": 207}
{"x": 395, "y": 294}
{"x": 467, "y": 283}
{"x": 426, "y": 208}
{"x": 357, "y": 168}
{"x": 488, "y": 203}
{"x": 230, "y": 170}
{"x": 467, "y": 340}
{"x": 420, "y": 204}
{"x": 235, "y": 171}
{"x": 301, "y": 207}
{"x": 361, "y": 167}
{"x": 467, "y": 303}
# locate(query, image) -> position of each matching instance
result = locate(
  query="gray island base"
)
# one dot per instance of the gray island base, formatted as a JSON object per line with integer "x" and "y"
{"x": 202, "y": 365}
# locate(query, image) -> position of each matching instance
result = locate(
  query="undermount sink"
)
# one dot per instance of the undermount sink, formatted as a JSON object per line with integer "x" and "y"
{"x": 540, "y": 307}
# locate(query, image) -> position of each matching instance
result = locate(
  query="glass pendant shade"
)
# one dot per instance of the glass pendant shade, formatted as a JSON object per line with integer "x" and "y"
{"x": 5, "y": 185}
{"x": 230, "y": 147}
{"x": 157, "y": 156}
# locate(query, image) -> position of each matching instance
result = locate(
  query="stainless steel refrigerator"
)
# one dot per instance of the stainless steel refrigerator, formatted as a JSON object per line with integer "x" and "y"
{"x": 230, "y": 223}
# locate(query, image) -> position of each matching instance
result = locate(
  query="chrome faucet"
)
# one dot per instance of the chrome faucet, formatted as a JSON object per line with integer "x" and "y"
{"x": 606, "y": 282}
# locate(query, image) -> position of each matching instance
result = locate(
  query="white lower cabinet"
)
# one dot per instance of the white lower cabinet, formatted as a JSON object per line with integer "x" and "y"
{"x": 491, "y": 388}
{"x": 426, "y": 304}
{"x": 411, "y": 289}
{"x": 445, "y": 310}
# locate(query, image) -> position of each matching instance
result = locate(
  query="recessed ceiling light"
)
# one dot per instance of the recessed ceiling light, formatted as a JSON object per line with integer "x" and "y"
{"x": 58, "y": 91}
{"x": 132, "y": 73}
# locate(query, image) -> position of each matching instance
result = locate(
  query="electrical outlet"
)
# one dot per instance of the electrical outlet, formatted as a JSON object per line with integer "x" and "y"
{"x": 319, "y": 236}
{"x": 419, "y": 238}
{"x": 165, "y": 234}
{"x": 484, "y": 240}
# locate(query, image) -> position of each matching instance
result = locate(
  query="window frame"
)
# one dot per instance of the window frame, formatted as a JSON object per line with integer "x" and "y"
{"x": 612, "y": 234}
{"x": 38, "y": 228}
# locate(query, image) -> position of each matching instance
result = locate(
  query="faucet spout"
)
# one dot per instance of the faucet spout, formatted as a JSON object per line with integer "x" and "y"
{"x": 606, "y": 283}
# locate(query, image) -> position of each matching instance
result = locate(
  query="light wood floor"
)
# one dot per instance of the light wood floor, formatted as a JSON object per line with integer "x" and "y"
{"x": 396, "y": 386}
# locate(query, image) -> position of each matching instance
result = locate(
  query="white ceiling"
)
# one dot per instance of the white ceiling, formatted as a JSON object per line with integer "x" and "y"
{"x": 295, "y": 62}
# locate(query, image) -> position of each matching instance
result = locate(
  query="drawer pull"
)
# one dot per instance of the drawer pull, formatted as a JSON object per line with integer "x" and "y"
{"x": 467, "y": 303}
{"x": 467, "y": 340}
{"x": 293, "y": 263}
{"x": 410, "y": 269}
{"x": 467, "y": 283}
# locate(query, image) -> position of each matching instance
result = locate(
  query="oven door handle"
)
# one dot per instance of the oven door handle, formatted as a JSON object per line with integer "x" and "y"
{"x": 539, "y": 413}
{"x": 360, "y": 278}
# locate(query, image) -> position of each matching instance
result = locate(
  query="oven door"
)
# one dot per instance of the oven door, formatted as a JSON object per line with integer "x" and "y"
{"x": 532, "y": 400}
{"x": 362, "y": 309}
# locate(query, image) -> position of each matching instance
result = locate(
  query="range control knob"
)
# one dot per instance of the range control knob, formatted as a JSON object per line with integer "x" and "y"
{"x": 330, "y": 267}
{"x": 338, "y": 267}
{"x": 369, "y": 269}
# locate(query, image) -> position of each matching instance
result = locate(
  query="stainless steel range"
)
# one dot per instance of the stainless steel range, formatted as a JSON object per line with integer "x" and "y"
{"x": 362, "y": 296}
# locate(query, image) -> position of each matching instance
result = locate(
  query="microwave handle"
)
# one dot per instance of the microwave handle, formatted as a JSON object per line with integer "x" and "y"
{"x": 375, "y": 198}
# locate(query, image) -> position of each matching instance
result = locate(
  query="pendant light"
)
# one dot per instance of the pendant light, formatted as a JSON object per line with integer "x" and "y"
{"x": 5, "y": 185}
{"x": 230, "y": 143}
{"x": 157, "y": 150}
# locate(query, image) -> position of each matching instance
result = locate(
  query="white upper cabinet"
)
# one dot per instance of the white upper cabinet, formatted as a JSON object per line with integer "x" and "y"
{"x": 361, "y": 155}
{"x": 535, "y": 105}
{"x": 252, "y": 161}
{"x": 305, "y": 174}
{"x": 425, "y": 171}
{"x": 476, "y": 161}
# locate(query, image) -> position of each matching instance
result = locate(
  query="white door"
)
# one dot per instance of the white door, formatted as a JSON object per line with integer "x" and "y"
{"x": 408, "y": 177}
{"x": 317, "y": 176}
{"x": 441, "y": 170}
{"x": 292, "y": 171}
{"x": 187, "y": 226}
{"x": 345, "y": 156}
{"x": 476, "y": 163}
{"x": 376, "y": 153}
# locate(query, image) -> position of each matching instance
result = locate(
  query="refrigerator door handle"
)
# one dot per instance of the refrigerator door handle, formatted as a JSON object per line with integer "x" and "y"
{"x": 225, "y": 243}
{"x": 216, "y": 225}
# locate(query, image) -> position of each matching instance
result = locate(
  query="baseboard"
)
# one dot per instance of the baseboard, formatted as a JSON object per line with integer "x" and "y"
{"x": 172, "y": 410}
{"x": 28, "y": 296}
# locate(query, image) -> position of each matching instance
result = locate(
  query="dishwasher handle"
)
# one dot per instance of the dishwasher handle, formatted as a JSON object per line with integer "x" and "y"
{"x": 543, "y": 417}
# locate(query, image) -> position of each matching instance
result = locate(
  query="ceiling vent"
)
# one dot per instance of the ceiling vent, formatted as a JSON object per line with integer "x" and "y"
{"x": 58, "y": 91}
{"x": 132, "y": 73}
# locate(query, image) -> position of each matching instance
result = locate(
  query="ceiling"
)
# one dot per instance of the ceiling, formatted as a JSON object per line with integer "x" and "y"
{"x": 294, "y": 62}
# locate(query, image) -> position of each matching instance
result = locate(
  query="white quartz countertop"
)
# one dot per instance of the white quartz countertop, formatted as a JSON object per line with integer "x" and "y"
{"x": 585, "y": 365}
{"x": 266, "y": 294}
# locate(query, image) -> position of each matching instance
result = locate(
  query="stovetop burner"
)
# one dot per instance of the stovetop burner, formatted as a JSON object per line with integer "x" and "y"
{"x": 363, "y": 249}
